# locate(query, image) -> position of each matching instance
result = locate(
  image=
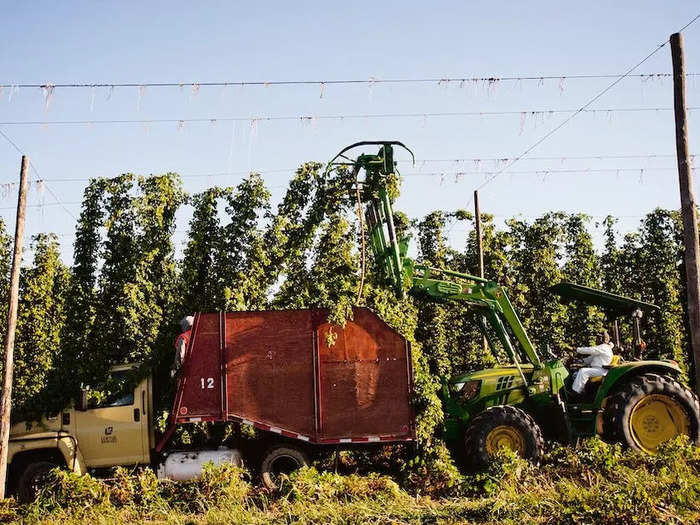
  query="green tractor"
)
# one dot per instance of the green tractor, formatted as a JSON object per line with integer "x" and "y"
{"x": 640, "y": 404}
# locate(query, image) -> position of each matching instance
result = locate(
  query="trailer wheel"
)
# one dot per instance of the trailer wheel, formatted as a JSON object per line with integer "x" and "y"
{"x": 281, "y": 459}
{"x": 35, "y": 477}
{"x": 651, "y": 409}
{"x": 502, "y": 427}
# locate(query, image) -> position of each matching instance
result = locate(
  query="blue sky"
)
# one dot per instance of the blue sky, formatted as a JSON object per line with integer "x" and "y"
{"x": 125, "y": 42}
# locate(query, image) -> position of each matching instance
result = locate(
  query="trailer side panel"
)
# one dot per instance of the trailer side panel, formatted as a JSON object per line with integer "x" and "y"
{"x": 293, "y": 373}
{"x": 364, "y": 379}
{"x": 200, "y": 381}
{"x": 270, "y": 368}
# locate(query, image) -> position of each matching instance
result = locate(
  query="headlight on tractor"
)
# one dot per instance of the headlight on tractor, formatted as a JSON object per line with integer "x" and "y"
{"x": 468, "y": 390}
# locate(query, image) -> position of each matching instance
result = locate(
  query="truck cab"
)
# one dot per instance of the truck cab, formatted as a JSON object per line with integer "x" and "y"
{"x": 97, "y": 431}
{"x": 117, "y": 429}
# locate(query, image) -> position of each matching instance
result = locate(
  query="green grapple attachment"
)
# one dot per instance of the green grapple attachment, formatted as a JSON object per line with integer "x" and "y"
{"x": 379, "y": 169}
{"x": 405, "y": 275}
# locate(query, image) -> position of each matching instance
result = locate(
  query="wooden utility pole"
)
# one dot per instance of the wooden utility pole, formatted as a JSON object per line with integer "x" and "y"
{"x": 479, "y": 247}
{"x": 6, "y": 401}
{"x": 688, "y": 204}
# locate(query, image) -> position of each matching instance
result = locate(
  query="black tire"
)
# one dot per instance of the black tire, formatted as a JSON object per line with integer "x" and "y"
{"x": 35, "y": 476}
{"x": 630, "y": 419}
{"x": 281, "y": 459}
{"x": 480, "y": 441}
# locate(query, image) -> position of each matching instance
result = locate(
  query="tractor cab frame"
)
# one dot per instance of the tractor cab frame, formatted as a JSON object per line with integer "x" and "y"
{"x": 615, "y": 307}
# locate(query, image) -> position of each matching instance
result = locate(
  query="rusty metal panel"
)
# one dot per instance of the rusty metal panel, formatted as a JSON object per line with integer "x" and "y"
{"x": 364, "y": 379}
{"x": 277, "y": 370}
{"x": 270, "y": 368}
{"x": 200, "y": 383}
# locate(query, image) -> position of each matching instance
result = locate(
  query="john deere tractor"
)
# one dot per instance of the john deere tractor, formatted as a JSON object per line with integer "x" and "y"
{"x": 637, "y": 403}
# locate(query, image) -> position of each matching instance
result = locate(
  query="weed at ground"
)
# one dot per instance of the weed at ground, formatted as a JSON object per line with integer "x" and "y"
{"x": 592, "y": 483}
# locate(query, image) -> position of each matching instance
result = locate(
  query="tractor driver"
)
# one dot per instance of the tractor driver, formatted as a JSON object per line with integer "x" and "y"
{"x": 598, "y": 356}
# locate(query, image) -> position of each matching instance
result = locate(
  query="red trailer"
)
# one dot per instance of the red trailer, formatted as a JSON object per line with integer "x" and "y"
{"x": 293, "y": 374}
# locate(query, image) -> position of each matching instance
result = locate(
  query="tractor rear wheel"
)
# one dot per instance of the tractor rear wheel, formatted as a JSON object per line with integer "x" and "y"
{"x": 502, "y": 427}
{"x": 649, "y": 410}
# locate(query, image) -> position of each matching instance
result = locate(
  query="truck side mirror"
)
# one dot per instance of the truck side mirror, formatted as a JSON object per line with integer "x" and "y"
{"x": 83, "y": 400}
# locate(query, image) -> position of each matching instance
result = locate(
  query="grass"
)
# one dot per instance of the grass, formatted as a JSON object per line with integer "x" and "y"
{"x": 593, "y": 483}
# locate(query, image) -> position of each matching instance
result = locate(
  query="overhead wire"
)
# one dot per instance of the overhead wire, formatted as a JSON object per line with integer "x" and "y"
{"x": 562, "y": 158}
{"x": 41, "y": 205}
{"x": 11, "y": 142}
{"x": 407, "y": 174}
{"x": 186, "y": 175}
{"x": 581, "y": 109}
{"x": 311, "y": 118}
{"x": 366, "y": 81}
{"x": 540, "y": 171}
{"x": 36, "y": 172}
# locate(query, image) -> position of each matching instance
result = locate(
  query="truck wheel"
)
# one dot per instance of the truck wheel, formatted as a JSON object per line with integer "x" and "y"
{"x": 281, "y": 459}
{"x": 35, "y": 477}
{"x": 649, "y": 410}
{"x": 502, "y": 427}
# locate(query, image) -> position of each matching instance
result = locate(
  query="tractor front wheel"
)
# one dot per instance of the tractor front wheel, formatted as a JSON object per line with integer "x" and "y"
{"x": 502, "y": 427}
{"x": 649, "y": 410}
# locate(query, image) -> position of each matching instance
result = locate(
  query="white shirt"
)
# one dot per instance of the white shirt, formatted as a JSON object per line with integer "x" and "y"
{"x": 598, "y": 356}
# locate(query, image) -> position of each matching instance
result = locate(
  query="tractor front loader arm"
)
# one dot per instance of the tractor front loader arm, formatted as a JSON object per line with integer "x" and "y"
{"x": 402, "y": 273}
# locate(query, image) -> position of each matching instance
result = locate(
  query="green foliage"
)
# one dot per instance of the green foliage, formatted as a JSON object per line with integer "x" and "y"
{"x": 199, "y": 285}
{"x": 661, "y": 283}
{"x": 433, "y": 326}
{"x": 140, "y": 495}
{"x": 311, "y": 486}
{"x": 126, "y": 292}
{"x": 598, "y": 484}
{"x": 74, "y": 351}
{"x": 582, "y": 266}
{"x": 120, "y": 297}
{"x": 536, "y": 253}
{"x": 333, "y": 275}
{"x": 5, "y": 263}
{"x": 242, "y": 260}
{"x": 152, "y": 295}
{"x": 40, "y": 319}
{"x": 110, "y": 337}
{"x": 647, "y": 266}
{"x": 290, "y": 236}
{"x": 593, "y": 483}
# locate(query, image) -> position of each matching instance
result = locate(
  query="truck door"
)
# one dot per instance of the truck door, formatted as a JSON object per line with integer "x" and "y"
{"x": 111, "y": 431}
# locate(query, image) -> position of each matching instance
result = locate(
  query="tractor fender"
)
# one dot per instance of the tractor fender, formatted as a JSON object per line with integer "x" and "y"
{"x": 623, "y": 373}
{"x": 57, "y": 444}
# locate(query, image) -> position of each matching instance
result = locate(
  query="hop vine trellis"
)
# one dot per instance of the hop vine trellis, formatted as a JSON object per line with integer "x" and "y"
{"x": 121, "y": 298}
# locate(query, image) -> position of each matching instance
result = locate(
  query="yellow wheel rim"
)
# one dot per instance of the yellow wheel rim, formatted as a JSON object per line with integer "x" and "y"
{"x": 505, "y": 436}
{"x": 657, "y": 418}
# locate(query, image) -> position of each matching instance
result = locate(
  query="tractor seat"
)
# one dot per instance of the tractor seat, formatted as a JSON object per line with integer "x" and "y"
{"x": 616, "y": 359}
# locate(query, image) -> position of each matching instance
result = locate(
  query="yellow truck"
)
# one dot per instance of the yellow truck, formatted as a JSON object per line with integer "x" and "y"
{"x": 115, "y": 431}
{"x": 92, "y": 436}
{"x": 272, "y": 370}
